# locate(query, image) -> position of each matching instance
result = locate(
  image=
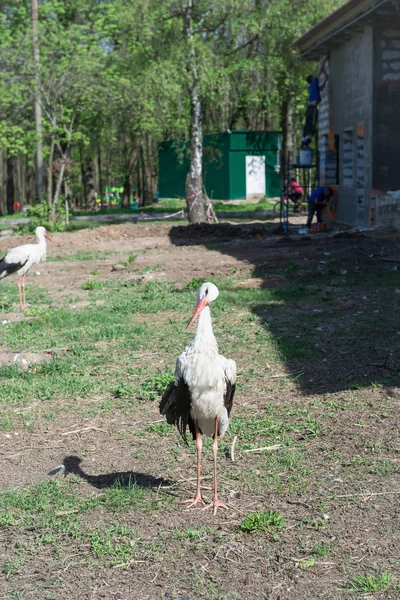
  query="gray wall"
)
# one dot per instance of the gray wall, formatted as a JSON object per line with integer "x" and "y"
{"x": 386, "y": 114}
{"x": 351, "y": 94}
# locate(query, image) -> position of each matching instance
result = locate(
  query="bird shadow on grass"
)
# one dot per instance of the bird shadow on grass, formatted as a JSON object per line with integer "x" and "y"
{"x": 71, "y": 465}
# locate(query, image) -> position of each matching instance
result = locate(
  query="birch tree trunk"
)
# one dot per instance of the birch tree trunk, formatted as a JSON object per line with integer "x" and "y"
{"x": 3, "y": 192}
{"x": 50, "y": 174}
{"x": 287, "y": 131}
{"x": 197, "y": 209}
{"x": 38, "y": 104}
{"x": 57, "y": 192}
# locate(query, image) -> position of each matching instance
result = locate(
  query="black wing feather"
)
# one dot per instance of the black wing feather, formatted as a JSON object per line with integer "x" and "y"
{"x": 175, "y": 405}
{"x": 10, "y": 268}
{"x": 229, "y": 394}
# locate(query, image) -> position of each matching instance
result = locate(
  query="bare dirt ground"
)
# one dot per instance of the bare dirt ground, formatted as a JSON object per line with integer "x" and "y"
{"x": 337, "y": 485}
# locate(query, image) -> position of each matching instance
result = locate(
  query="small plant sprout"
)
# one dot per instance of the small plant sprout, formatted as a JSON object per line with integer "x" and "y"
{"x": 262, "y": 521}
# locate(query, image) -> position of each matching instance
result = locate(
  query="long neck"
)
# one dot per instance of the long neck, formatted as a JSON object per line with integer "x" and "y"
{"x": 204, "y": 332}
{"x": 41, "y": 242}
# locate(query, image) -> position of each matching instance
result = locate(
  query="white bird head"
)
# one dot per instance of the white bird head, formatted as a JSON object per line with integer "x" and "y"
{"x": 41, "y": 232}
{"x": 207, "y": 292}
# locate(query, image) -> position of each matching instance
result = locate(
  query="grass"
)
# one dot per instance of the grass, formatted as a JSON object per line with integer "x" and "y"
{"x": 332, "y": 422}
{"x": 81, "y": 255}
{"x": 264, "y": 204}
{"x": 262, "y": 521}
{"x": 170, "y": 205}
{"x": 371, "y": 583}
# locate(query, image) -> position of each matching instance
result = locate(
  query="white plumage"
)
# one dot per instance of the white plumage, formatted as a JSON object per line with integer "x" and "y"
{"x": 201, "y": 396}
{"x": 20, "y": 259}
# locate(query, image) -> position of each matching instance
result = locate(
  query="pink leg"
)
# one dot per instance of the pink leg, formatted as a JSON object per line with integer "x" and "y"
{"x": 199, "y": 443}
{"x": 20, "y": 293}
{"x": 216, "y": 503}
{"x": 23, "y": 291}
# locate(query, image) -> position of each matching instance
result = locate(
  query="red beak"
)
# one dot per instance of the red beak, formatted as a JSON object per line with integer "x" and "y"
{"x": 46, "y": 235}
{"x": 202, "y": 304}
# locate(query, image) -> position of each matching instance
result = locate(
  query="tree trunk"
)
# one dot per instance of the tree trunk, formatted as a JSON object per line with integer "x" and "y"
{"x": 10, "y": 186}
{"x": 149, "y": 178}
{"x": 287, "y": 131}
{"x": 3, "y": 191}
{"x": 38, "y": 104}
{"x": 101, "y": 185}
{"x": 90, "y": 191}
{"x": 126, "y": 194}
{"x": 30, "y": 186}
{"x": 194, "y": 182}
{"x": 50, "y": 174}
{"x": 58, "y": 187}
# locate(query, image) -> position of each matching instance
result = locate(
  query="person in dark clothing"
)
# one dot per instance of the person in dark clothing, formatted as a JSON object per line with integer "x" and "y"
{"x": 314, "y": 98}
{"x": 317, "y": 201}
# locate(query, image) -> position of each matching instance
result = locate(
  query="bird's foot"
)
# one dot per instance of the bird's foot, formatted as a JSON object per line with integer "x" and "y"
{"x": 193, "y": 501}
{"x": 216, "y": 504}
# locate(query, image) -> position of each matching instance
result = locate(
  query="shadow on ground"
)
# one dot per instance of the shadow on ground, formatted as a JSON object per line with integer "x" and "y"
{"x": 331, "y": 300}
{"x": 72, "y": 465}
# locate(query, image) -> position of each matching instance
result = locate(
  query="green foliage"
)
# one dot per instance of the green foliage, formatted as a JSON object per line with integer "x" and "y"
{"x": 92, "y": 284}
{"x": 321, "y": 550}
{"x": 194, "y": 284}
{"x": 115, "y": 75}
{"x": 262, "y": 521}
{"x": 371, "y": 583}
{"x": 156, "y": 385}
{"x": 40, "y": 215}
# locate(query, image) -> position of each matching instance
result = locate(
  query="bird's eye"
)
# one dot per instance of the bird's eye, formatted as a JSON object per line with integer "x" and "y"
{"x": 206, "y": 292}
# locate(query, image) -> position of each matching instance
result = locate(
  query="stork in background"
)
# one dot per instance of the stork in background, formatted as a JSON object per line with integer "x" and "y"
{"x": 20, "y": 259}
{"x": 201, "y": 396}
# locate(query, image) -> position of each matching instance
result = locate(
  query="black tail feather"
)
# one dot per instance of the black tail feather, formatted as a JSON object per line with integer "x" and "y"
{"x": 7, "y": 268}
{"x": 175, "y": 405}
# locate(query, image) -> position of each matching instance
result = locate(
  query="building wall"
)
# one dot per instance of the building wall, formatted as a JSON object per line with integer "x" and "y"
{"x": 386, "y": 113}
{"x": 351, "y": 94}
{"x": 328, "y": 153}
{"x": 224, "y": 164}
{"x": 256, "y": 143}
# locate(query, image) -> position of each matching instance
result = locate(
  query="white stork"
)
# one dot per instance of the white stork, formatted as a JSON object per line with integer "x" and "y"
{"x": 201, "y": 396}
{"x": 22, "y": 258}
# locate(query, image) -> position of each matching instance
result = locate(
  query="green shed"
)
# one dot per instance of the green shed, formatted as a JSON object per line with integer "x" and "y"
{"x": 236, "y": 164}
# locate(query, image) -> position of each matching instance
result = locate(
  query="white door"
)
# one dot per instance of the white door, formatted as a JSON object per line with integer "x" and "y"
{"x": 255, "y": 175}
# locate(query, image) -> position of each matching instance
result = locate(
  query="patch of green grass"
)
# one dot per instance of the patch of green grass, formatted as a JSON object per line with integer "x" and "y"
{"x": 321, "y": 550}
{"x": 262, "y": 205}
{"x": 6, "y": 421}
{"x": 81, "y": 255}
{"x": 191, "y": 534}
{"x": 92, "y": 284}
{"x": 36, "y": 311}
{"x": 12, "y": 565}
{"x": 156, "y": 385}
{"x": 115, "y": 543}
{"x": 194, "y": 284}
{"x": 262, "y": 521}
{"x": 131, "y": 259}
{"x": 163, "y": 205}
{"x": 371, "y": 583}
{"x": 160, "y": 428}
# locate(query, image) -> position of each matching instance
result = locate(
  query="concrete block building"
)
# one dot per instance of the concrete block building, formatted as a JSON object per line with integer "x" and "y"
{"x": 359, "y": 116}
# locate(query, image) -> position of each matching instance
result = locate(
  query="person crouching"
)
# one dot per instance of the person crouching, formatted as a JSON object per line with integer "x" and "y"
{"x": 317, "y": 201}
